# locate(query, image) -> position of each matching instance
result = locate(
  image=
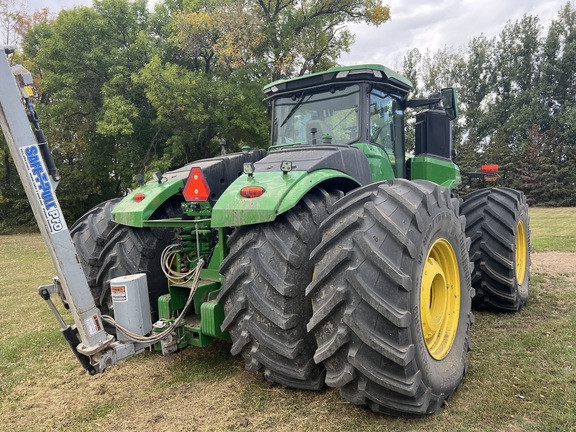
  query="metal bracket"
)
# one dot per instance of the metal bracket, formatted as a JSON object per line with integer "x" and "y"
{"x": 45, "y": 291}
{"x": 70, "y": 333}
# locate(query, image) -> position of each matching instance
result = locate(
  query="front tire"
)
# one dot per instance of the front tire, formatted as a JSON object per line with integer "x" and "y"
{"x": 391, "y": 297}
{"x": 266, "y": 310}
{"x": 498, "y": 224}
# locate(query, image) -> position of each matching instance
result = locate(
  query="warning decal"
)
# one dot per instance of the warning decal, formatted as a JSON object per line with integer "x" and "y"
{"x": 93, "y": 325}
{"x": 119, "y": 293}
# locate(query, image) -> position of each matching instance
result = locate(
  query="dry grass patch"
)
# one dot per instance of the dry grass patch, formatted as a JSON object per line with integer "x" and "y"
{"x": 521, "y": 372}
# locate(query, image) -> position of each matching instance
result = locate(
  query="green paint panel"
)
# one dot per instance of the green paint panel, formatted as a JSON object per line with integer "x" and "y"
{"x": 379, "y": 161}
{"x": 440, "y": 171}
{"x": 199, "y": 329}
{"x": 202, "y": 292}
{"x": 232, "y": 209}
{"x": 193, "y": 336}
{"x": 212, "y": 319}
{"x": 132, "y": 213}
{"x": 164, "y": 309}
{"x": 282, "y": 192}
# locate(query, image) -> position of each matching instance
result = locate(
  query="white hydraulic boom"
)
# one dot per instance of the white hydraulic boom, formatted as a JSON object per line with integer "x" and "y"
{"x": 92, "y": 345}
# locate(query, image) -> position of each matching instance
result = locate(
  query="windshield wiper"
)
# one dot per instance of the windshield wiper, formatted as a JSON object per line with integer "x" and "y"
{"x": 295, "y": 107}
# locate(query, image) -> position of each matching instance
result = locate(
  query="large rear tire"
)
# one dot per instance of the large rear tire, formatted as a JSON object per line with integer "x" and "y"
{"x": 391, "y": 297}
{"x": 129, "y": 251}
{"x": 266, "y": 310}
{"x": 90, "y": 235}
{"x": 108, "y": 250}
{"x": 497, "y": 221}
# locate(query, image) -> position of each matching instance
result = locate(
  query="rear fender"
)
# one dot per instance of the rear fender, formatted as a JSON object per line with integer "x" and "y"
{"x": 134, "y": 212}
{"x": 438, "y": 170}
{"x": 220, "y": 172}
{"x": 282, "y": 193}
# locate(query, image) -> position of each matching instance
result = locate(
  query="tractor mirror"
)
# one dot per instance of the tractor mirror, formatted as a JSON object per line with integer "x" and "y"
{"x": 450, "y": 102}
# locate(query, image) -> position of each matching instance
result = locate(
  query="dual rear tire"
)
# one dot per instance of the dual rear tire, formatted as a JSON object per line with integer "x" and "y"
{"x": 391, "y": 297}
{"x": 266, "y": 310}
{"x": 499, "y": 227}
{"x": 386, "y": 295}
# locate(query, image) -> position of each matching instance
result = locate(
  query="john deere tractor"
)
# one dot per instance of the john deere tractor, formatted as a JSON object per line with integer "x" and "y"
{"x": 334, "y": 257}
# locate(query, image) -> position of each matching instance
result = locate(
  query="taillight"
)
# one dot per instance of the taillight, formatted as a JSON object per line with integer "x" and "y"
{"x": 196, "y": 188}
{"x": 489, "y": 168}
{"x": 490, "y": 172}
{"x": 252, "y": 191}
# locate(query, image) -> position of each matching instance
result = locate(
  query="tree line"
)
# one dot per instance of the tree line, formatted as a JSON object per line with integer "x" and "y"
{"x": 517, "y": 99}
{"x": 126, "y": 90}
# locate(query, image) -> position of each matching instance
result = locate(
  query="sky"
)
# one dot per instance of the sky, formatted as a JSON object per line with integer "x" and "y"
{"x": 422, "y": 24}
{"x": 435, "y": 24}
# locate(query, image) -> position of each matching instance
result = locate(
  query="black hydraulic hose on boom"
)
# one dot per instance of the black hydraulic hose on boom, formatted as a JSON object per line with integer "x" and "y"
{"x": 27, "y": 89}
{"x": 42, "y": 142}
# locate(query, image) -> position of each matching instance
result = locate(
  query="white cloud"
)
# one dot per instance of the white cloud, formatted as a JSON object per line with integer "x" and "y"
{"x": 435, "y": 24}
{"x": 56, "y": 5}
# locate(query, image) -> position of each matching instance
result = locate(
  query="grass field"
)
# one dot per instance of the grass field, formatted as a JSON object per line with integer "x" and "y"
{"x": 553, "y": 229}
{"x": 521, "y": 372}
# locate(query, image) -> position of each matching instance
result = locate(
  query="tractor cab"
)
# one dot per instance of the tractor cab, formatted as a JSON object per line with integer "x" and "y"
{"x": 359, "y": 106}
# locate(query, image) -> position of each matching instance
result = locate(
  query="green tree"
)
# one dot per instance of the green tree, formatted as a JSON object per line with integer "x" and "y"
{"x": 96, "y": 120}
{"x": 290, "y": 37}
{"x": 229, "y": 50}
{"x": 514, "y": 102}
{"x": 557, "y": 94}
{"x": 411, "y": 66}
{"x": 201, "y": 110}
{"x": 124, "y": 90}
{"x": 474, "y": 94}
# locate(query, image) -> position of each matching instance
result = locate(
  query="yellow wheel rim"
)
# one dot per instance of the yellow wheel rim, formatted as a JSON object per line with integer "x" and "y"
{"x": 440, "y": 299}
{"x": 521, "y": 253}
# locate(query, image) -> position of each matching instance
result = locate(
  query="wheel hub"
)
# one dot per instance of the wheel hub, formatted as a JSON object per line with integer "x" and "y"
{"x": 440, "y": 299}
{"x": 521, "y": 253}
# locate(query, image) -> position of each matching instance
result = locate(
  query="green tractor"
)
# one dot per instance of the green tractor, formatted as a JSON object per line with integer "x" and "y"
{"x": 334, "y": 258}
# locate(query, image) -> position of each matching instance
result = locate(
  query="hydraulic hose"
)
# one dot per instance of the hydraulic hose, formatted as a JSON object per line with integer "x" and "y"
{"x": 158, "y": 337}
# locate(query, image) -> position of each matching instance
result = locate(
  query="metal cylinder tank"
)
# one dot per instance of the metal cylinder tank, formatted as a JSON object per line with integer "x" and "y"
{"x": 131, "y": 304}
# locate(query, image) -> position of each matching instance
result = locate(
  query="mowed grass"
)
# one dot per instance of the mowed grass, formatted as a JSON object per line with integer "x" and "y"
{"x": 553, "y": 229}
{"x": 521, "y": 371}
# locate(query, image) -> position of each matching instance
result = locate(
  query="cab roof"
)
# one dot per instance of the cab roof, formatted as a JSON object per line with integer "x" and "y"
{"x": 375, "y": 73}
